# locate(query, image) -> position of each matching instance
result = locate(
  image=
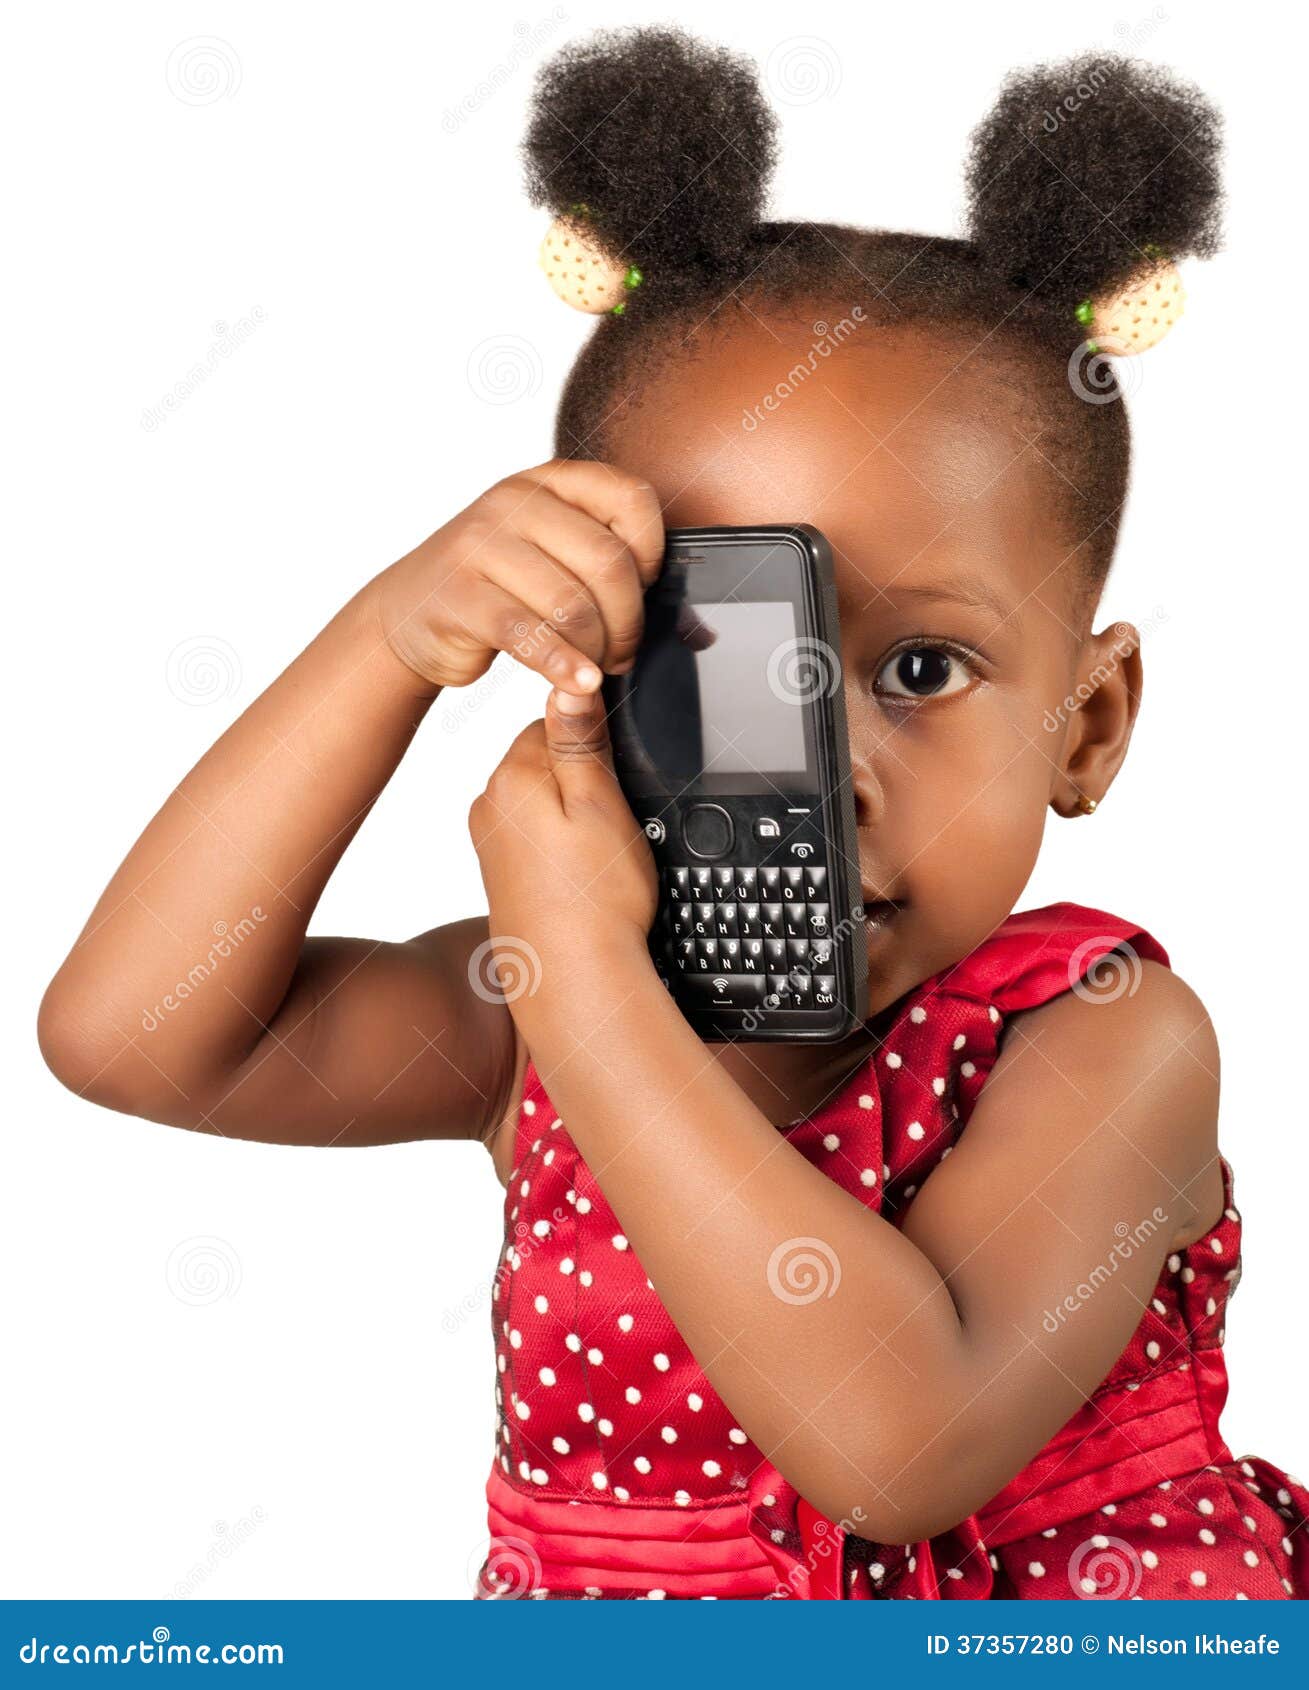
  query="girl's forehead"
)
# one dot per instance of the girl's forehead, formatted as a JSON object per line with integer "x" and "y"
{"x": 911, "y": 458}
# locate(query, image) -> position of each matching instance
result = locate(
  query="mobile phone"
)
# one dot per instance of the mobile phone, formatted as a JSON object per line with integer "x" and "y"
{"x": 730, "y": 744}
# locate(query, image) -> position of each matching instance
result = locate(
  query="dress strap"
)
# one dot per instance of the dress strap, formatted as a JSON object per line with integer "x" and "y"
{"x": 1038, "y": 954}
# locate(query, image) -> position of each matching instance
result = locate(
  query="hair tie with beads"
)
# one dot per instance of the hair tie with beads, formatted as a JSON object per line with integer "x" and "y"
{"x": 581, "y": 272}
{"x": 1138, "y": 313}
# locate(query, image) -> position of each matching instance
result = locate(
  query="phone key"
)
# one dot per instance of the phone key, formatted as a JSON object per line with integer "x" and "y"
{"x": 820, "y": 954}
{"x": 819, "y": 924}
{"x": 706, "y": 954}
{"x": 775, "y": 954}
{"x": 725, "y": 919}
{"x": 779, "y": 992}
{"x": 723, "y": 882}
{"x": 746, "y": 884}
{"x": 752, "y": 953}
{"x": 770, "y": 884}
{"x": 797, "y": 953}
{"x": 795, "y": 922}
{"x": 684, "y": 951}
{"x": 749, "y": 920}
{"x": 824, "y": 990}
{"x": 682, "y": 917}
{"x": 702, "y": 882}
{"x": 815, "y": 885}
{"x": 801, "y": 987}
{"x": 736, "y": 991}
{"x": 793, "y": 885}
{"x": 678, "y": 882}
{"x": 729, "y": 954}
{"x": 771, "y": 916}
{"x": 703, "y": 919}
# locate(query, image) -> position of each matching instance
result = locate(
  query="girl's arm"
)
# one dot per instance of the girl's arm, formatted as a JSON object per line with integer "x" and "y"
{"x": 193, "y": 997}
{"x": 913, "y": 1393}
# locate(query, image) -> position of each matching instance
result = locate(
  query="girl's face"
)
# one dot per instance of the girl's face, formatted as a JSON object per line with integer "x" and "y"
{"x": 962, "y": 623}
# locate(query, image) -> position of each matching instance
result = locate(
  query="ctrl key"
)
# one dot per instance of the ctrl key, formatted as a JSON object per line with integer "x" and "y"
{"x": 722, "y": 991}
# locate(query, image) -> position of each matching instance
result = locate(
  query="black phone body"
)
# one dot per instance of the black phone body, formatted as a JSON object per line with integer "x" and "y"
{"x": 731, "y": 746}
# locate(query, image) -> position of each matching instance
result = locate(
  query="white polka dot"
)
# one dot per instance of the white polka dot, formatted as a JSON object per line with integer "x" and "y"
{"x": 1157, "y": 1306}
{"x": 584, "y": 1205}
{"x": 632, "y": 1394}
{"x": 938, "y": 1086}
{"x": 1174, "y": 1262}
{"x": 957, "y": 1573}
{"x": 1206, "y": 1536}
{"x": 994, "y": 1013}
{"x": 529, "y": 1108}
{"x": 1100, "y": 1541}
{"x": 918, "y": 1015}
{"x": 573, "y": 1342}
{"x": 737, "y": 1436}
{"x": 1050, "y": 1531}
{"x": 585, "y": 1276}
{"x": 522, "y": 1410}
{"x": 695, "y": 1402}
{"x": 1187, "y": 1275}
{"x": 668, "y": 1434}
{"x": 1036, "y": 1569}
{"x": 681, "y": 1498}
{"x": 1152, "y": 1350}
{"x": 710, "y": 1469}
{"x": 599, "y": 1481}
{"x": 567, "y": 1265}
{"x": 516, "y": 1338}
{"x": 525, "y": 1469}
{"x": 624, "y": 1323}
{"x": 547, "y": 1376}
{"x": 585, "y": 1411}
{"x": 865, "y": 1101}
{"x": 1158, "y": 1519}
{"x": 595, "y": 1357}
{"x": 661, "y": 1362}
{"x": 560, "y": 1446}
{"x": 831, "y": 1142}
{"x": 1216, "y": 1245}
{"x": 1250, "y": 1558}
{"x": 618, "y": 1241}
{"x": 541, "y": 1228}
{"x": 968, "y": 1069}
{"x": 605, "y": 1428}
{"x": 1198, "y": 1578}
{"x": 892, "y": 1059}
{"x": 642, "y": 1464}
{"x": 868, "y": 1176}
{"x": 1149, "y": 1559}
{"x": 1204, "y": 1505}
{"x": 525, "y": 1187}
{"x": 621, "y": 1494}
{"x": 915, "y": 1129}
{"x": 540, "y": 1476}
{"x": 1248, "y": 1523}
{"x": 770, "y": 1501}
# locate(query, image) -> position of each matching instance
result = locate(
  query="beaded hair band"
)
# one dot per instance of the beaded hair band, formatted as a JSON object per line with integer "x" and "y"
{"x": 1138, "y": 313}
{"x": 580, "y": 272}
{"x": 1128, "y": 319}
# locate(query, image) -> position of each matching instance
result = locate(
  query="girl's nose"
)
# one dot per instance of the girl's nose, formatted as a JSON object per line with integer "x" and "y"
{"x": 869, "y": 798}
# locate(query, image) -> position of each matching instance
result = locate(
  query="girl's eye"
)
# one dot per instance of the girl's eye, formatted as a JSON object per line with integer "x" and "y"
{"x": 922, "y": 671}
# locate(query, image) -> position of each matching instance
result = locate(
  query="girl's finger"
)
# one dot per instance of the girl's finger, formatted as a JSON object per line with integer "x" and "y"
{"x": 497, "y": 618}
{"x": 623, "y": 502}
{"x": 552, "y": 591}
{"x": 592, "y": 554}
{"x": 577, "y": 744}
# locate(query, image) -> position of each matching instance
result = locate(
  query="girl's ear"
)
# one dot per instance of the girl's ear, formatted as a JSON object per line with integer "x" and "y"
{"x": 1107, "y": 692}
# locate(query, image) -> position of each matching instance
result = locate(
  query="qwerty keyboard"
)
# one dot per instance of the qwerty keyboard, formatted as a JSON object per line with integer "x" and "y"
{"x": 747, "y": 937}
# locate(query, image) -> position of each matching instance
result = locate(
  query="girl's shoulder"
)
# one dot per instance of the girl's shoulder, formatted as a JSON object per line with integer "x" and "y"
{"x": 1037, "y": 955}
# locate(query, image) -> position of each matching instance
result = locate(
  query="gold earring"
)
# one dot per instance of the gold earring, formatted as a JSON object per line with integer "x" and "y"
{"x": 1087, "y": 806}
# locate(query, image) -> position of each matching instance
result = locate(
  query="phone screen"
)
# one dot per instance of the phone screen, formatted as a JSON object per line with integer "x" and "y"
{"x": 718, "y": 697}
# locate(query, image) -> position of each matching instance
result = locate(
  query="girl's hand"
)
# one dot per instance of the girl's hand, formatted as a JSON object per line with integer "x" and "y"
{"x": 549, "y": 565}
{"x": 569, "y": 875}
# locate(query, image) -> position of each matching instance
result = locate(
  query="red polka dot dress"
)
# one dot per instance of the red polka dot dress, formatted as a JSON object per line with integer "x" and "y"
{"x": 619, "y": 1472}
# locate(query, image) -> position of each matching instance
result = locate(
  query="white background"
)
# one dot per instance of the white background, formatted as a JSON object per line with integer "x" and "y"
{"x": 330, "y": 1411}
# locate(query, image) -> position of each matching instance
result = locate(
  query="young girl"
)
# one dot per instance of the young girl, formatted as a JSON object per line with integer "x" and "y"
{"x": 933, "y": 1312}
